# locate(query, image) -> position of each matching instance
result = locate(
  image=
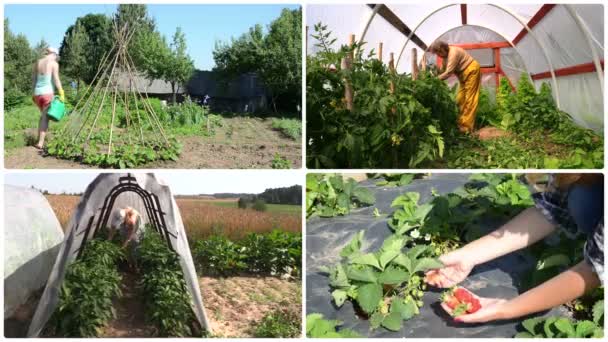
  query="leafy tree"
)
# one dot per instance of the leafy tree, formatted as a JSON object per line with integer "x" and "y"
{"x": 18, "y": 58}
{"x": 274, "y": 57}
{"x": 259, "y": 205}
{"x": 137, "y": 20}
{"x": 153, "y": 54}
{"x": 40, "y": 48}
{"x": 75, "y": 50}
{"x": 180, "y": 66}
{"x": 98, "y": 29}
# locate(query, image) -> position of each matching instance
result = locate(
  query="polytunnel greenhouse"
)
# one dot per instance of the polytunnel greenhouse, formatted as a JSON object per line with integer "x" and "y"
{"x": 374, "y": 98}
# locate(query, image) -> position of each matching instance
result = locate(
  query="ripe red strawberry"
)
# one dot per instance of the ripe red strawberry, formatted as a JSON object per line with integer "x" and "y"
{"x": 451, "y": 302}
{"x": 474, "y": 306}
{"x": 463, "y": 295}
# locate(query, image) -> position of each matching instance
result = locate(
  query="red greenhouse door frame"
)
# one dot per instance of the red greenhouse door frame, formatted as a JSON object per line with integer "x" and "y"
{"x": 567, "y": 71}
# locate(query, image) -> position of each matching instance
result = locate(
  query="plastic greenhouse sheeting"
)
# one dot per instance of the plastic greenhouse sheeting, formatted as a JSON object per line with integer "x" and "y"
{"x": 161, "y": 209}
{"x": 325, "y": 237}
{"x": 32, "y": 238}
{"x": 567, "y": 35}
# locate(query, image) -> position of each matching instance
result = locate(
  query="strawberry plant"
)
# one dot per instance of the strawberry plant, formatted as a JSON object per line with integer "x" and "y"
{"x": 318, "y": 327}
{"x": 168, "y": 302}
{"x": 562, "y": 327}
{"x": 85, "y": 298}
{"x": 385, "y": 286}
{"x": 329, "y": 195}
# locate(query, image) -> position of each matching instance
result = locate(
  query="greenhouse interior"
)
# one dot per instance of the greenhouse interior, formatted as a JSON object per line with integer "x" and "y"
{"x": 556, "y": 48}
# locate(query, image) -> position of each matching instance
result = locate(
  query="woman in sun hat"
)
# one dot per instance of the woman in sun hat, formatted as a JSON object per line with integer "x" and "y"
{"x": 45, "y": 80}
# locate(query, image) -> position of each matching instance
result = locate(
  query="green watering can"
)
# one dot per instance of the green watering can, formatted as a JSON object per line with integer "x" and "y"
{"x": 56, "y": 109}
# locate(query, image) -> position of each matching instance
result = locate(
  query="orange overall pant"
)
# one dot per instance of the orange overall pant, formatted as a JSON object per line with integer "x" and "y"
{"x": 468, "y": 96}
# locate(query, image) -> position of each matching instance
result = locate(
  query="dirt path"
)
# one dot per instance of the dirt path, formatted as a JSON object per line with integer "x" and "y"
{"x": 235, "y": 305}
{"x": 243, "y": 142}
{"x": 130, "y": 318}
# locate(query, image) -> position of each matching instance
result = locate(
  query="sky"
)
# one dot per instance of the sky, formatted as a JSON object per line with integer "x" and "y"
{"x": 181, "y": 183}
{"x": 203, "y": 25}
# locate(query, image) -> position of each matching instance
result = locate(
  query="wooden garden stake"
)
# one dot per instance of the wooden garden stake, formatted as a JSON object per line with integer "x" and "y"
{"x": 414, "y": 64}
{"x": 345, "y": 64}
{"x": 380, "y": 51}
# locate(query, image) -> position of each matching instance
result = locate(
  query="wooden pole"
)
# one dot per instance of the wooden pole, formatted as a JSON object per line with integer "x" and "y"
{"x": 414, "y": 64}
{"x": 306, "y": 40}
{"x": 346, "y": 64}
{"x": 380, "y": 51}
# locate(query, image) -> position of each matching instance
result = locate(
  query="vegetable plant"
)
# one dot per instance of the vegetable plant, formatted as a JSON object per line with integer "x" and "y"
{"x": 318, "y": 327}
{"x": 168, "y": 302}
{"x": 386, "y": 285}
{"x": 330, "y": 195}
{"x": 85, "y": 297}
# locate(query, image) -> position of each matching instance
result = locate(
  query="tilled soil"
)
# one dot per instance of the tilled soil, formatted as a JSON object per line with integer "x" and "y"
{"x": 236, "y": 305}
{"x": 242, "y": 142}
{"x": 130, "y": 320}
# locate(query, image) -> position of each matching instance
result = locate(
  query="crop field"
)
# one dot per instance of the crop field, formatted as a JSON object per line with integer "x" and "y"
{"x": 205, "y": 217}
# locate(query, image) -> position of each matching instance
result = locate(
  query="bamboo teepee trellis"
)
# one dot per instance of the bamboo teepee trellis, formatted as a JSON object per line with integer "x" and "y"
{"x": 114, "y": 96}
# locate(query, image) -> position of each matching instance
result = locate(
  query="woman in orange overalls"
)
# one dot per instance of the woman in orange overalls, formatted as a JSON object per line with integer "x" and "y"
{"x": 468, "y": 71}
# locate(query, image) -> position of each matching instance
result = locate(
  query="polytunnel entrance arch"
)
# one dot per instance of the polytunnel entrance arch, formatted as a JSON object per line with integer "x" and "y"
{"x": 154, "y": 212}
{"x": 154, "y": 200}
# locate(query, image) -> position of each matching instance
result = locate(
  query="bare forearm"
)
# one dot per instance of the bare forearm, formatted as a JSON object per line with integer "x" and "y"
{"x": 559, "y": 290}
{"x": 523, "y": 230}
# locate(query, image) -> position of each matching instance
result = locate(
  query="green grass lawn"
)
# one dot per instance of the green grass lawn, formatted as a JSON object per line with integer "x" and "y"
{"x": 16, "y": 121}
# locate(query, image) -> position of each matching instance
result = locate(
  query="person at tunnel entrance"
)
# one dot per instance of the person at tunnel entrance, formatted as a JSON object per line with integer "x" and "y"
{"x": 467, "y": 69}
{"x": 127, "y": 222}
{"x": 573, "y": 202}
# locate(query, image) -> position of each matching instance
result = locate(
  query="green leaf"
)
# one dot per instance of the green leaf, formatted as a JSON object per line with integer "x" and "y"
{"x": 338, "y": 277}
{"x": 406, "y": 179}
{"x": 392, "y": 321}
{"x": 565, "y": 326}
{"x": 584, "y": 328}
{"x": 311, "y": 320}
{"x": 547, "y": 326}
{"x": 531, "y": 323}
{"x": 404, "y": 261}
{"x": 364, "y": 196}
{"x": 364, "y": 274}
{"x": 366, "y": 259}
{"x": 376, "y": 320}
{"x": 369, "y": 297}
{"x": 387, "y": 256}
{"x": 339, "y": 297}
{"x": 414, "y": 252}
{"x": 353, "y": 246}
{"x": 598, "y": 311}
{"x": 393, "y": 275}
{"x": 407, "y": 309}
{"x": 426, "y": 264}
{"x": 553, "y": 261}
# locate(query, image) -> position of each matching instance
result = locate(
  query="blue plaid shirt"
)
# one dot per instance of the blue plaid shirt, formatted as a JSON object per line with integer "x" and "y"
{"x": 553, "y": 203}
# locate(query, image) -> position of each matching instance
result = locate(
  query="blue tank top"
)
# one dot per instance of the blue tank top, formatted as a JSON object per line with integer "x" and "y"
{"x": 43, "y": 85}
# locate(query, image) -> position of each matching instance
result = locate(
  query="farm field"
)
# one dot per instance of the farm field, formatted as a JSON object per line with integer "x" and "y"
{"x": 240, "y": 142}
{"x": 206, "y": 217}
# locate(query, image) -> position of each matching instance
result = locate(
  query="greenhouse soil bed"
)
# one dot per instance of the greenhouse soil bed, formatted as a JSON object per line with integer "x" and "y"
{"x": 130, "y": 318}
